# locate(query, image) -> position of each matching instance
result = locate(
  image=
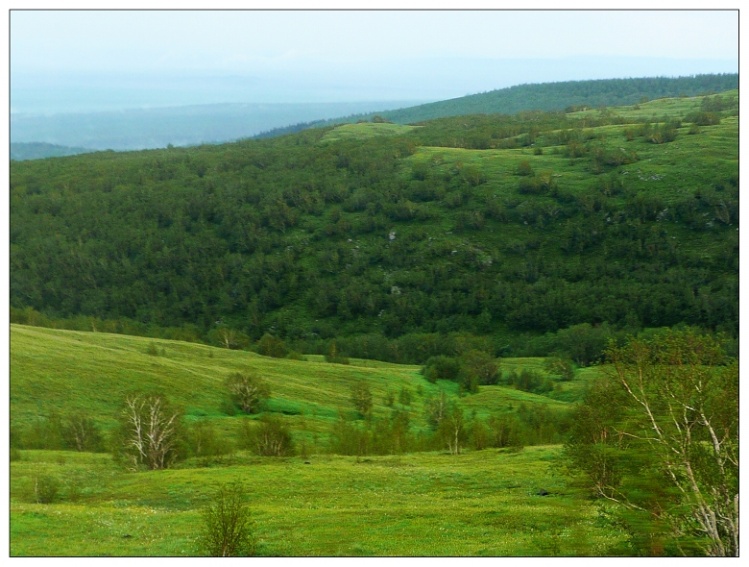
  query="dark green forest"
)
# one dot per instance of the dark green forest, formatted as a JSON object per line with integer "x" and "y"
{"x": 531, "y": 233}
{"x": 568, "y": 95}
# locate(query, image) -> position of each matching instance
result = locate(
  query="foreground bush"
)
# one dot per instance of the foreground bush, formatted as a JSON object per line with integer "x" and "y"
{"x": 227, "y": 526}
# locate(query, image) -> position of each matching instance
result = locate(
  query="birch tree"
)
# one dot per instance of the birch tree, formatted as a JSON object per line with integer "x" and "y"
{"x": 150, "y": 432}
{"x": 452, "y": 430}
{"x": 679, "y": 430}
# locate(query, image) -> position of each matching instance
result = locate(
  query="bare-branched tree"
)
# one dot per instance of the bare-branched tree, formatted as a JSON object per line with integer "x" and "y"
{"x": 150, "y": 432}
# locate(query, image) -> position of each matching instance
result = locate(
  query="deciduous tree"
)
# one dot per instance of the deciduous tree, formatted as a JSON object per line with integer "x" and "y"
{"x": 150, "y": 432}
{"x": 247, "y": 390}
{"x": 361, "y": 397}
{"x": 661, "y": 439}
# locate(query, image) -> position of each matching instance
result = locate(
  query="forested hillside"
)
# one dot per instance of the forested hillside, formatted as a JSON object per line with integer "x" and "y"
{"x": 527, "y": 230}
{"x": 569, "y": 95}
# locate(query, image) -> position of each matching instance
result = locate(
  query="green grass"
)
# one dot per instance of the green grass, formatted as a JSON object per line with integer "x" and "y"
{"x": 713, "y": 148}
{"x": 479, "y": 503}
{"x": 422, "y": 504}
{"x": 673, "y": 107}
{"x": 71, "y": 372}
{"x": 364, "y": 130}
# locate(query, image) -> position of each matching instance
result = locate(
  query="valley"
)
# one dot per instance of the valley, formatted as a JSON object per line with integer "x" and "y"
{"x": 476, "y": 334}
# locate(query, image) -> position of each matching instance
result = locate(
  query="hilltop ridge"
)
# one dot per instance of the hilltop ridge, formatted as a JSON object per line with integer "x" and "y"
{"x": 555, "y": 96}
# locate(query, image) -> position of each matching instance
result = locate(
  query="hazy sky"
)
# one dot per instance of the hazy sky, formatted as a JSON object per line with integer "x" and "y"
{"x": 321, "y": 55}
{"x": 240, "y": 41}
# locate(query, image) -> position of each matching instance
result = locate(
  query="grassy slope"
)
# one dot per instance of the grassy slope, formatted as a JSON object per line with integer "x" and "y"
{"x": 69, "y": 371}
{"x": 365, "y": 130}
{"x": 660, "y": 170}
{"x": 479, "y": 503}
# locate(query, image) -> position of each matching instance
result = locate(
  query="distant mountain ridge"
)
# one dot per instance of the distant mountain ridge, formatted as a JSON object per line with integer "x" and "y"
{"x": 558, "y": 96}
{"x": 546, "y": 97}
{"x": 147, "y": 128}
{"x": 38, "y": 150}
{"x": 218, "y": 123}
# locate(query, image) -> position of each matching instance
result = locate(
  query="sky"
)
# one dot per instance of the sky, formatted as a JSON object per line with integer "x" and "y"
{"x": 335, "y": 55}
{"x": 241, "y": 41}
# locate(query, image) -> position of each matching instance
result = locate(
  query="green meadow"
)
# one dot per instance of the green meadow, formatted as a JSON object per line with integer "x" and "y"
{"x": 430, "y": 503}
{"x": 478, "y": 503}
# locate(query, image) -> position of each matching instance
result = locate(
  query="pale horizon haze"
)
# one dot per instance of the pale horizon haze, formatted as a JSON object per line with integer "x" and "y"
{"x": 65, "y": 60}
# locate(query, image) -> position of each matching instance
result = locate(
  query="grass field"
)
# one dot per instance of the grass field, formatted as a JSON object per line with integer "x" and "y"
{"x": 479, "y": 503}
{"x": 421, "y": 504}
{"x": 69, "y": 371}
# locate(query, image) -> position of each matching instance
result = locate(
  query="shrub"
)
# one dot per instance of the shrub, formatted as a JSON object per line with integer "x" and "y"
{"x": 480, "y": 365}
{"x": 268, "y": 345}
{"x": 81, "y": 433}
{"x": 347, "y": 438}
{"x": 451, "y": 431}
{"x": 531, "y": 186}
{"x": 436, "y": 409}
{"x": 441, "y": 367}
{"x": 661, "y": 133}
{"x": 361, "y": 397}
{"x": 530, "y": 381}
{"x": 227, "y": 525}
{"x": 205, "y": 443}
{"x": 247, "y": 391}
{"x": 560, "y": 367}
{"x": 44, "y": 433}
{"x": 74, "y": 488}
{"x": 505, "y": 431}
{"x": 583, "y": 343}
{"x": 271, "y": 438}
{"x": 524, "y": 168}
{"x": 334, "y": 355}
{"x": 46, "y": 488}
{"x": 228, "y": 338}
{"x": 703, "y": 118}
{"x": 150, "y": 433}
